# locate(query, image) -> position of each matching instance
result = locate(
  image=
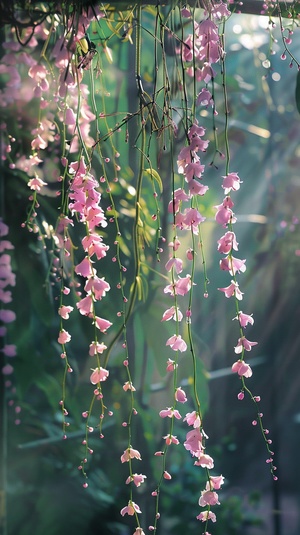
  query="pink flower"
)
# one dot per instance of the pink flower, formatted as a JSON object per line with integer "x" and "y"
{"x": 195, "y": 188}
{"x": 183, "y": 285}
{"x": 172, "y": 313}
{"x": 139, "y": 531}
{"x": 180, "y": 287}
{"x": 174, "y": 262}
{"x": 191, "y": 219}
{"x": 7, "y": 369}
{"x": 232, "y": 289}
{"x": 208, "y": 497}
{"x": 167, "y": 475}
{"x": 171, "y": 365}
{"x": 93, "y": 244}
{"x": 5, "y": 296}
{"x": 70, "y": 119}
{"x": 204, "y": 98}
{"x": 233, "y": 265}
{"x": 64, "y": 311}
{"x": 205, "y": 461}
{"x": 179, "y": 195}
{"x": 137, "y": 479}
{"x": 63, "y": 337}
{"x": 207, "y": 515}
{"x": 170, "y": 413}
{"x": 97, "y": 286}
{"x": 84, "y": 268}
{"x": 130, "y": 509}
{"x": 128, "y": 386}
{"x": 170, "y": 439}
{"x": 9, "y": 350}
{"x": 244, "y": 343}
{"x": 102, "y": 324}
{"x": 231, "y": 182}
{"x": 193, "y": 442}
{"x": 177, "y": 343}
{"x": 216, "y": 482}
{"x": 242, "y": 368}
{"x": 85, "y": 305}
{"x": 7, "y": 316}
{"x": 244, "y": 319}
{"x": 180, "y": 395}
{"x": 220, "y": 10}
{"x": 224, "y": 213}
{"x": 130, "y": 453}
{"x": 96, "y": 348}
{"x": 192, "y": 418}
{"x": 227, "y": 242}
{"x": 36, "y": 183}
{"x": 98, "y": 375}
{"x": 193, "y": 169}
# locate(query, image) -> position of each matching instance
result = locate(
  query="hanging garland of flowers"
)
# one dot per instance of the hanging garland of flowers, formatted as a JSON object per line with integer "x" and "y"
{"x": 56, "y": 64}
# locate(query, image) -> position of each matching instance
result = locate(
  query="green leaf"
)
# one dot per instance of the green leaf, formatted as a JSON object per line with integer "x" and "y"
{"x": 155, "y": 176}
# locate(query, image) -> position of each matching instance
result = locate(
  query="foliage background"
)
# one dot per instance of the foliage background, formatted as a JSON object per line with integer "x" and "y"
{"x": 45, "y": 492}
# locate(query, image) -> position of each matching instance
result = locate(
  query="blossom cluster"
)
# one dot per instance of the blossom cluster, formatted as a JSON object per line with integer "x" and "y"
{"x": 202, "y": 48}
{"x": 226, "y": 245}
{"x": 7, "y": 279}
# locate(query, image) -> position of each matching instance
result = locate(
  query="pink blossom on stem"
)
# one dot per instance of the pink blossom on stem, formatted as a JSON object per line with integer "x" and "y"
{"x": 227, "y": 242}
{"x": 233, "y": 265}
{"x": 193, "y": 169}
{"x": 64, "y": 311}
{"x": 179, "y": 195}
{"x": 231, "y": 182}
{"x": 9, "y": 350}
{"x": 244, "y": 319}
{"x": 93, "y": 244}
{"x": 170, "y": 413}
{"x": 171, "y": 439}
{"x": 180, "y": 395}
{"x": 193, "y": 442}
{"x": 171, "y": 365}
{"x": 176, "y": 343}
{"x": 130, "y": 509}
{"x": 36, "y": 183}
{"x": 176, "y": 263}
{"x": 232, "y": 289}
{"x": 242, "y": 368}
{"x": 224, "y": 214}
{"x": 216, "y": 482}
{"x": 204, "y": 98}
{"x": 84, "y": 268}
{"x": 172, "y": 313}
{"x": 96, "y": 348}
{"x": 63, "y": 337}
{"x": 193, "y": 418}
{"x": 102, "y": 324}
{"x": 85, "y": 305}
{"x": 99, "y": 375}
{"x": 208, "y": 497}
{"x": 137, "y": 479}
{"x": 128, "y": 386}
{"x": 206, "y": 515}
{"x": 97, "y": 286}
{"x": 139, "y": 531}
{"x": 244, "y": 343}
{"x": 130, "y": 453}
{"x": 205, "y": 461}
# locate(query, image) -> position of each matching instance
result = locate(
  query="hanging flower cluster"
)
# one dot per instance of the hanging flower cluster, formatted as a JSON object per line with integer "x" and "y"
{"x": 7, "y": 316}
{"x": 66, "y": 121}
